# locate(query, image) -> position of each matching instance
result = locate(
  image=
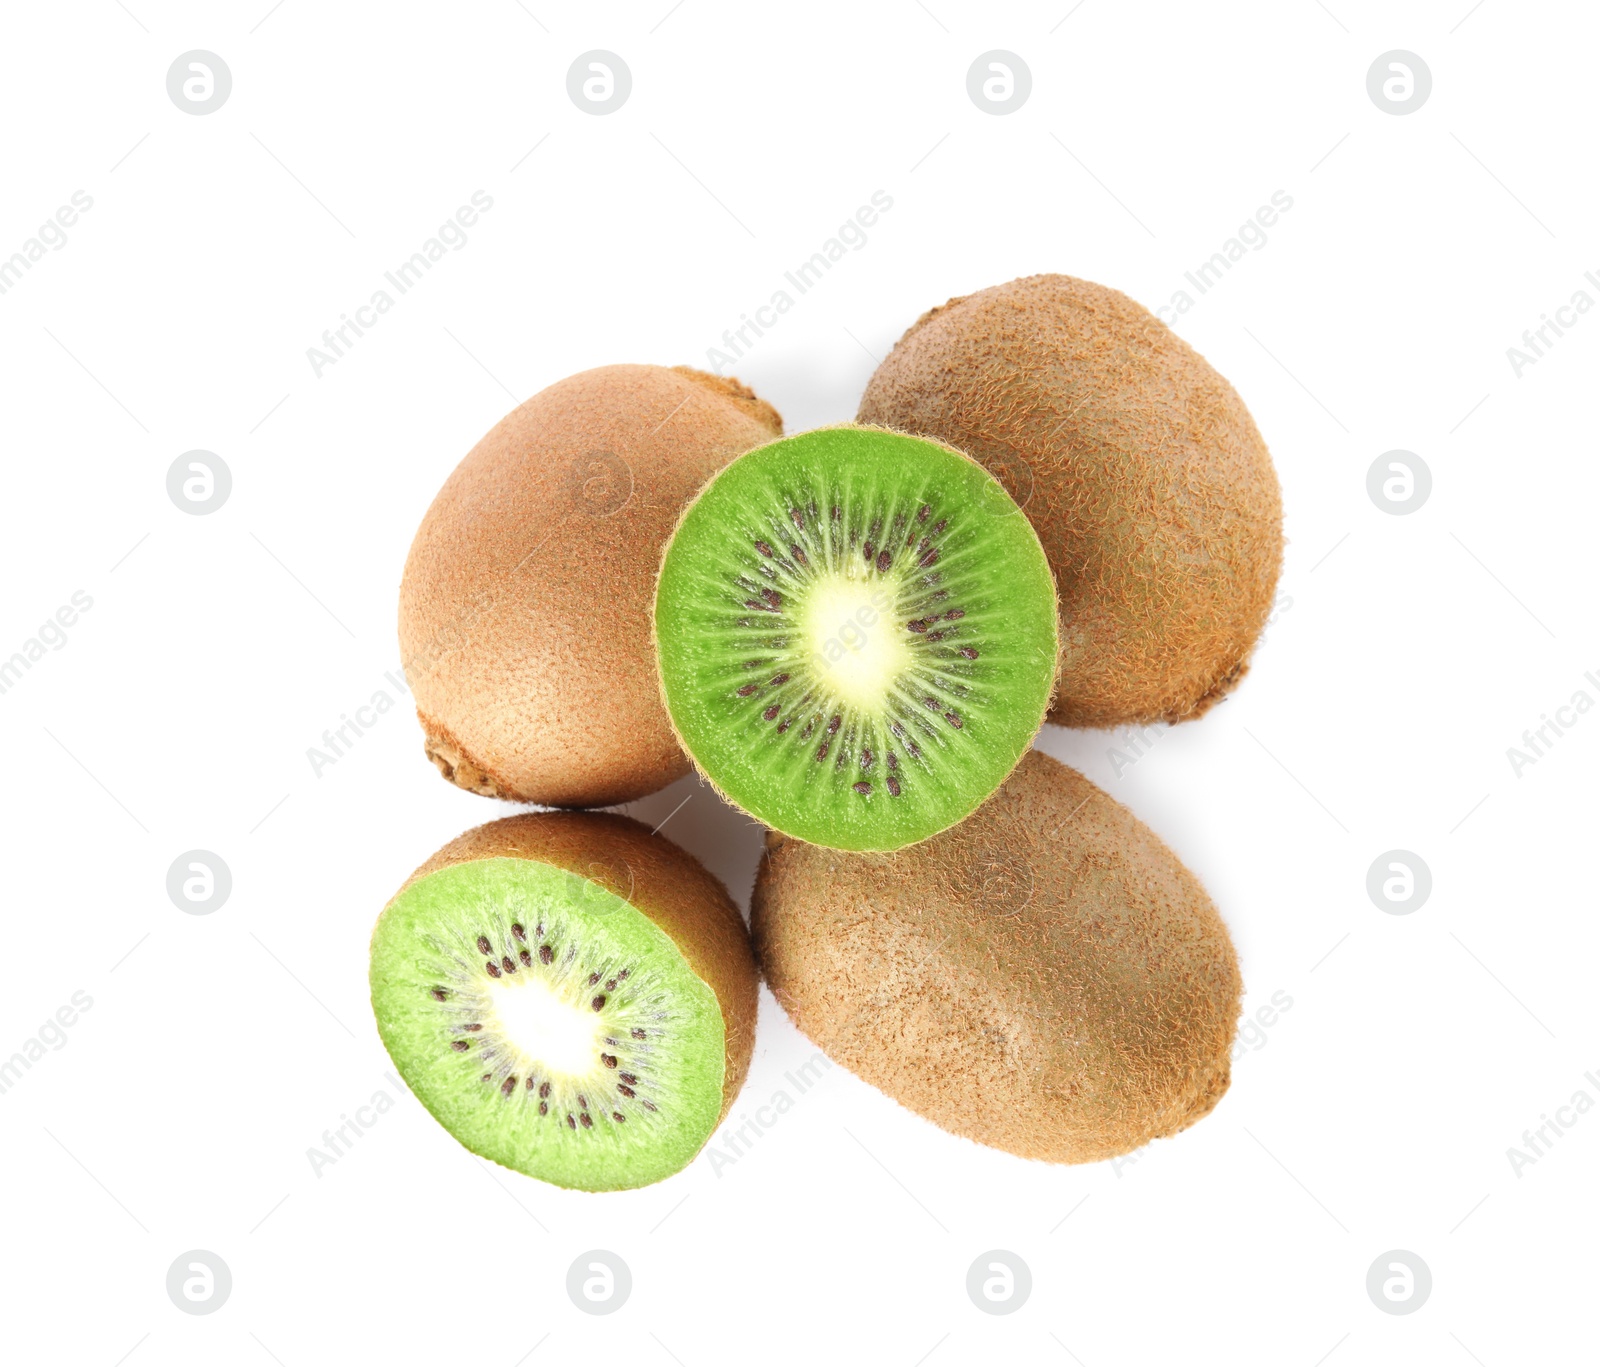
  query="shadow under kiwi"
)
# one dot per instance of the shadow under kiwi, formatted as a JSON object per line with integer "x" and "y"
{"x": 691, "y": 815}
{"x": 810, "y": 386}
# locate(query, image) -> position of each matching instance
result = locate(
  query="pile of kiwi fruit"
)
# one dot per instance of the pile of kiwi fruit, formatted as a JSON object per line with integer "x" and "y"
{"x": 1049, "y": 509}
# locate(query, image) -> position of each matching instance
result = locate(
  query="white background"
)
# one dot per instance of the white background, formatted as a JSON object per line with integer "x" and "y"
{"x": 1408, "y": 654}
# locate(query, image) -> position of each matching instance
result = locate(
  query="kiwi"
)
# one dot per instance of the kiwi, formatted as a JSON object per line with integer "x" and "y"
{"x": 1045, "y": 978}
{"x": 568, "y": 995}
{"x": 525, "y": 605}
{"x": 856, "y": 633}
{"x": 1138, "y": 464}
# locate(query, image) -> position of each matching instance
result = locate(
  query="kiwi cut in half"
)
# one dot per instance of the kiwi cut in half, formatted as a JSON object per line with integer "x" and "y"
{"x": 1139, "y": 466}
{"x": 1046, "y": 978}
{"x": 856, "y": 635}
{"x": 568, "y": 995}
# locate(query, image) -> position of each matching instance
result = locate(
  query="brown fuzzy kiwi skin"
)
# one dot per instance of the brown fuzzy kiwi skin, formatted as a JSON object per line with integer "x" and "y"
{"x": 667, "y": 884}
{"x": 1045, "y": 978}
{"x": 1139, "y": 466}
{"x": 526, "y": 598}
{"x": 661, "y": 682}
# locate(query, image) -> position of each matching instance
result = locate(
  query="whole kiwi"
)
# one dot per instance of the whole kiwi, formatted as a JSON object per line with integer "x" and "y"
{"x": 1139, "y": 466}
{"x": 525, "y": 604}
{"x": 1045, "y": 978}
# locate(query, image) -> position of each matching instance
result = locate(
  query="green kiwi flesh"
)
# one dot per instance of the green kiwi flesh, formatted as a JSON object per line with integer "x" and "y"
{"x": 551, "y": 1024}
{"x": 856, "y": 635}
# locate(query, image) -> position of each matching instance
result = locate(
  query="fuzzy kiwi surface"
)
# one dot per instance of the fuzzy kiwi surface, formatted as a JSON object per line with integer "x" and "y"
{"x": 856, "y": 635}
{"x": 568, "y": 995}
{"x": 1139, "y": 466}
{"x": 1046, "y": 978}
{"x": 525, "y": 603}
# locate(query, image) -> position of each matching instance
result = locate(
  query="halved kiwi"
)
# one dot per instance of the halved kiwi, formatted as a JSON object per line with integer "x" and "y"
{"x": 856, "y": 635}
{"x": 568, "y": 995}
